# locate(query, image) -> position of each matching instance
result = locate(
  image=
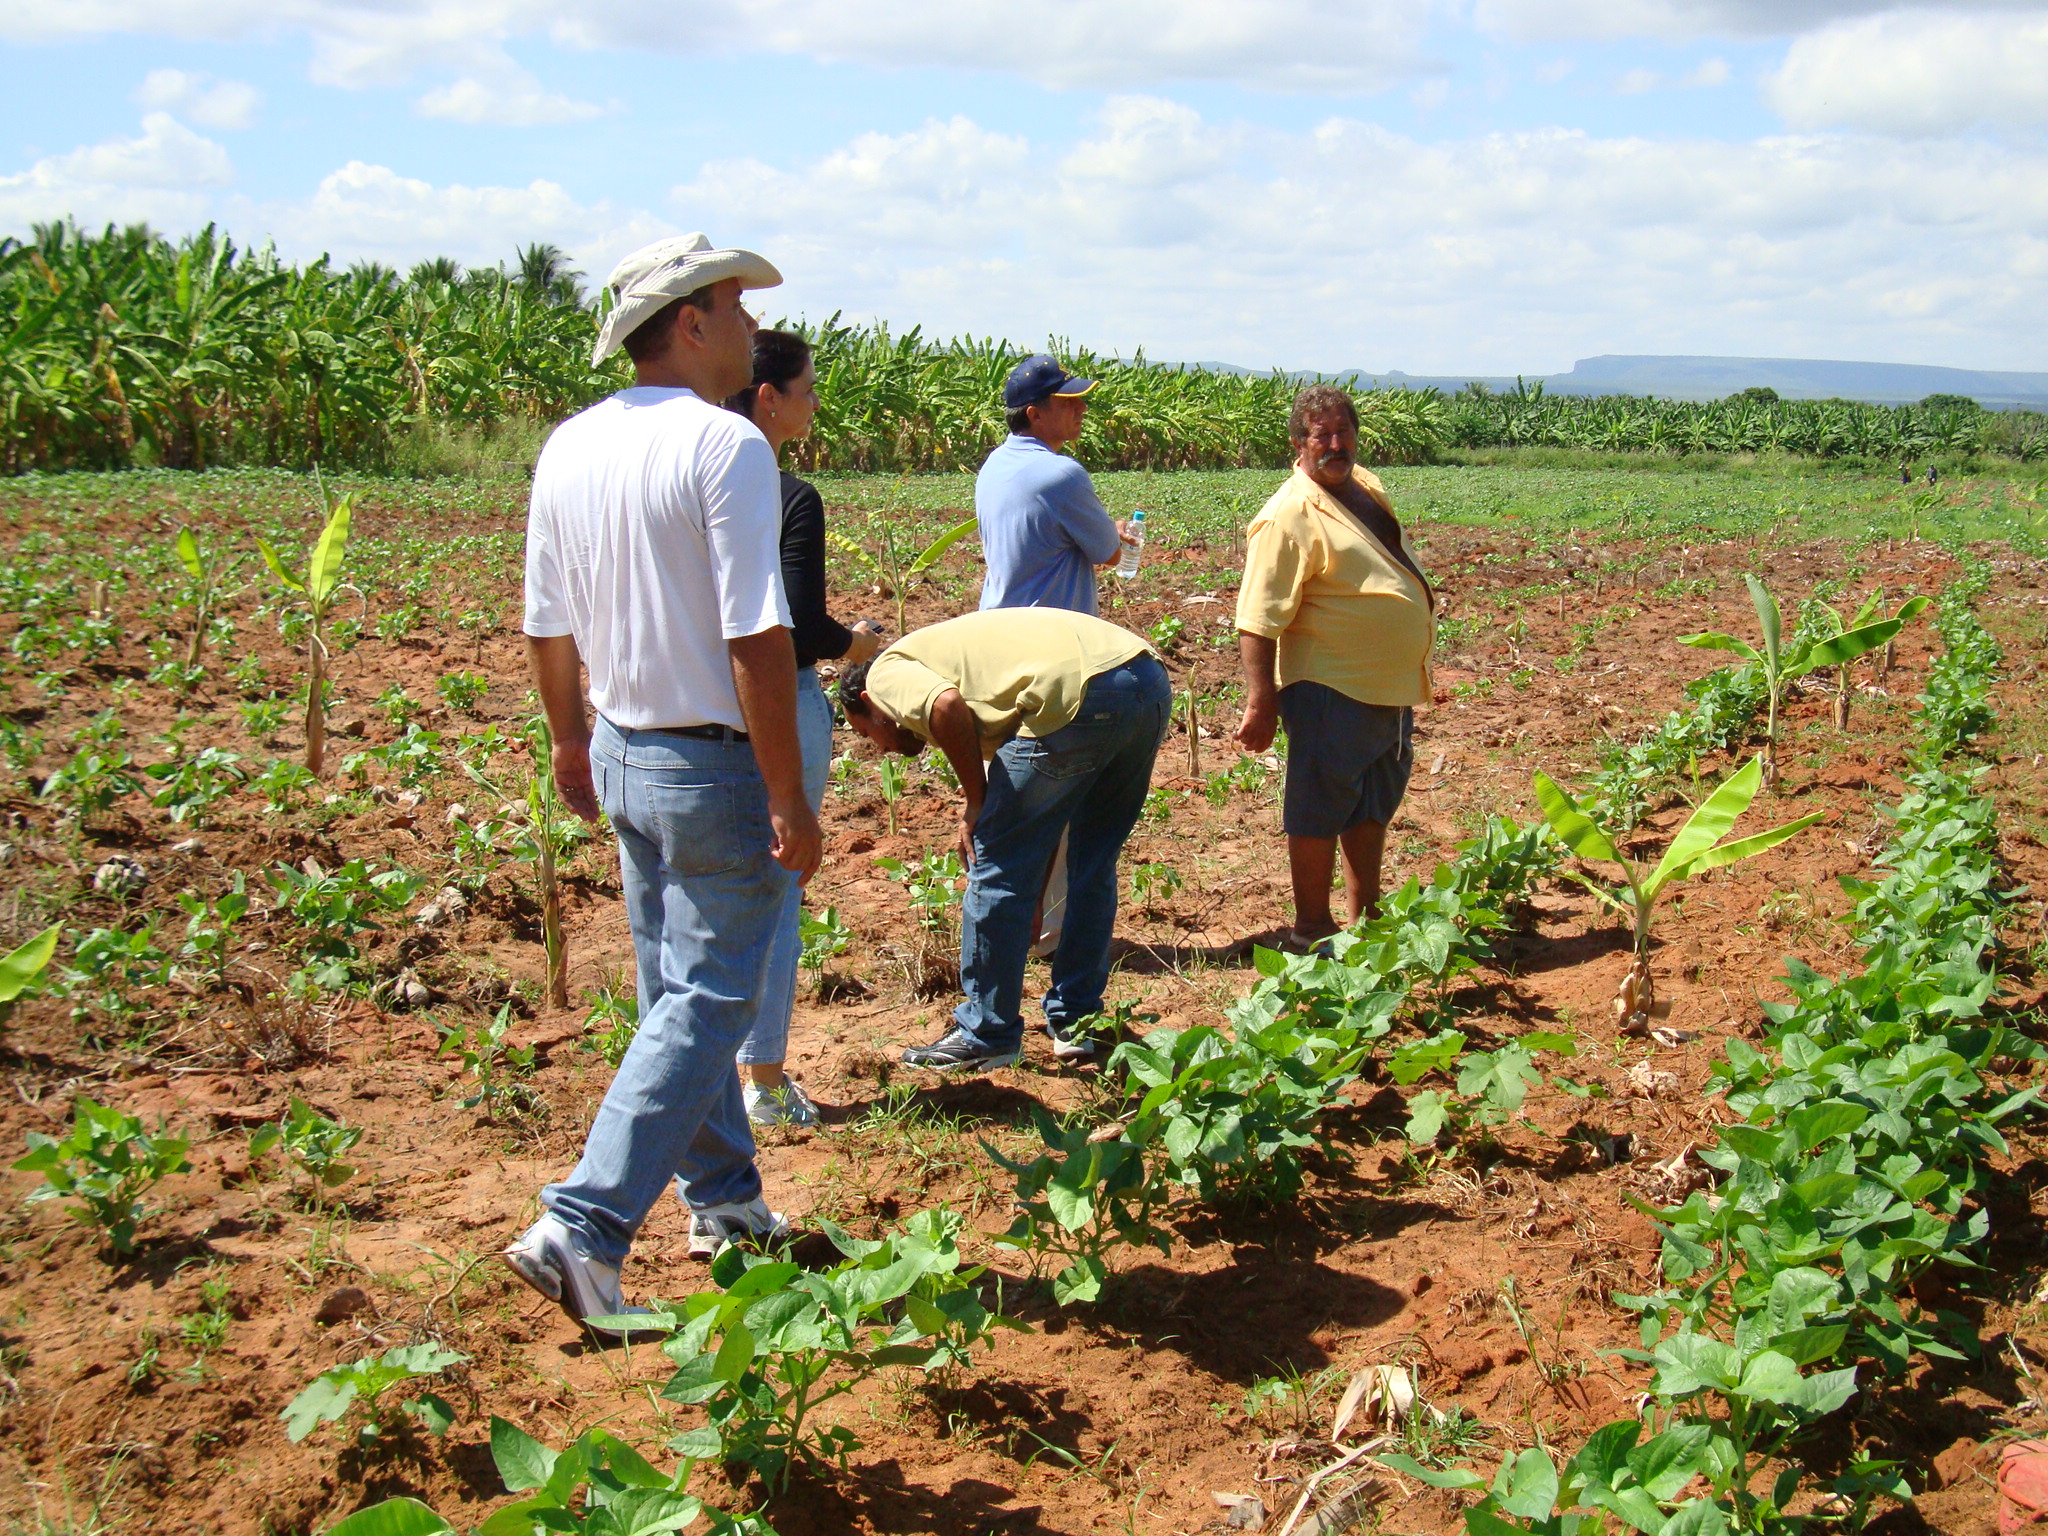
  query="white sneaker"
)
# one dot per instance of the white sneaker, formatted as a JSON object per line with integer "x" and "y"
{"x": 548, "y": 1258}
{"x": 713, "y": 1226}
{"x": 784, "y": 1104}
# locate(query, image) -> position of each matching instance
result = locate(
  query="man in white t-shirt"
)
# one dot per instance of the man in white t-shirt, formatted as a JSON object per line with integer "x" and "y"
{"x": 653, "y": 560}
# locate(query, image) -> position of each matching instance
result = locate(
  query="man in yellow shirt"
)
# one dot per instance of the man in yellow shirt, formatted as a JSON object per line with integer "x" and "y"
{"x": 1051, "y": 720}
{"x": 1335, "y": 623}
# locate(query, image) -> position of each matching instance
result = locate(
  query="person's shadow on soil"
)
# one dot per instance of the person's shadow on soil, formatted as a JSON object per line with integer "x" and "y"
{"x": 880, "y": 1497}
{"x": 1242, "y": 1321}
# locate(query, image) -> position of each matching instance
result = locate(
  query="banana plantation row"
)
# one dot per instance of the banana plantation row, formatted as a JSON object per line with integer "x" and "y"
{"x": 126, "y": 348}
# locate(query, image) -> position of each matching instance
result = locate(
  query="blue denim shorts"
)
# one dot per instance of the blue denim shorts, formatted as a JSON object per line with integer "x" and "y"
{"x": 1347, "y": 762}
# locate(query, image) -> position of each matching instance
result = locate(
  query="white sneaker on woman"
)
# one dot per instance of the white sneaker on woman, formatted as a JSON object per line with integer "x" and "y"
{"x": 713, "y": 1226}
{"x": 784, "y": 1104}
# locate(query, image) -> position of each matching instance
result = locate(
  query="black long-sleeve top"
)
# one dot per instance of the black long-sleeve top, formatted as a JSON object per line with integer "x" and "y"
{"x": 818, "y": 636}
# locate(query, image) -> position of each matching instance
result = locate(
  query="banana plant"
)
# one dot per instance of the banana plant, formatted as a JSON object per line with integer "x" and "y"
{"x": 204, "y": 590}
{"x": 319, "y": 586}
{"x": 1696, "y": 849}
{"x": 886, "y": 561}
{"x": 548, "y": 835}
{"x": 1881, "y": 656}
{"x": 1782, "y": 664}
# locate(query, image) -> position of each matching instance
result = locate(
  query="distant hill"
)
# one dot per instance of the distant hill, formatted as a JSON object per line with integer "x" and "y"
{"x": 1710, "y": 378}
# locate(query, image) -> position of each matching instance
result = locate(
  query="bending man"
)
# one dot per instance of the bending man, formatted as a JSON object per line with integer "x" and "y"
{"x": 1051, "y": 720}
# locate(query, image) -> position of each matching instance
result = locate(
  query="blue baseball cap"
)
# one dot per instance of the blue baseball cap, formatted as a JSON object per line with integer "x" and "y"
{"x": 1038, "y": 377}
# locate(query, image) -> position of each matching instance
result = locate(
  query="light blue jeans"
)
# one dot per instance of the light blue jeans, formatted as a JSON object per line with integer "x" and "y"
{"x": 703, "y": 897}
{"x": 1090, "y": 779}
{"x": 769, "y": 1040}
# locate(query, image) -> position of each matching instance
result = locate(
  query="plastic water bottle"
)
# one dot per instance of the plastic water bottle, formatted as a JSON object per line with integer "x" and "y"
{"x": 1127, "y": 567}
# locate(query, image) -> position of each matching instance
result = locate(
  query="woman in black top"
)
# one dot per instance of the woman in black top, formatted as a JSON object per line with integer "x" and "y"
{"x": 781, "y": 402}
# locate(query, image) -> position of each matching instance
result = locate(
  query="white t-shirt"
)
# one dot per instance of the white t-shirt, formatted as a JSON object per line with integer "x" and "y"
{"x": 654, "y": 537}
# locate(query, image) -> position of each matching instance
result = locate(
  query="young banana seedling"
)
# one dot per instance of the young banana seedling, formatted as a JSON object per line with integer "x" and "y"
{"x": 1782, "y": 663}
{"x": 319, "y": 586}
{"x": 1880, "y": 656}
{"x": 1696, "y": 849}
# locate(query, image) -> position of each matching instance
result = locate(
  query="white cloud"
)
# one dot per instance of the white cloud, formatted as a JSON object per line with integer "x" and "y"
{"x": 156, "y": 178}
{"x": 1639, "y": 82}
{"x": 1533, "y": 20}
{"x": 210, "y": 102}
{"x": 370, "y": 211}
{"x": 1918, "y": 72}
{"x": 1352, "y": 246}
{"x": 511, "y": 99}
{"x": 1286, "y": 45}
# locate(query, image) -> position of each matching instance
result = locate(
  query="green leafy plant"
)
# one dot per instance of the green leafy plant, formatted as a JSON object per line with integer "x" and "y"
{"x": 193, "y": 784}
{"x": 318, "y": 586}
{"x": 91, "y": 782}
{"x": 894, "y": 780}
{"x": 824, "y": 937}
{"x": 107, "y": 1163}
{"x": 1491, "y": 1085}
{"x": 210, "y": 928}
{"x": 1695, "y": 849}
{"x": 462, "y": 690}
{"x": 283, "y": 785}
{"x": 362, "y": 1387}
{"x": 112, "y": 969}
{"x": 611, "y": 1024}
{"x": 892, "y": 564}
{"x": 203, "y": 591}
{"x": 493, "y": 1064}
{"x": 1782, "y": 663}
{"x": 775, "y": 1341}
{"x": 22, "y": 968}
{"x": 546, "y": 835}
{"x": 336, "y": 905}
{"x": 312, "y": 1144}
{"x": 597, "y": 1486}
{"x": 1085, "y": 1195}
{"x": 396, "y": 705}
{"x": 1155, "y": 882}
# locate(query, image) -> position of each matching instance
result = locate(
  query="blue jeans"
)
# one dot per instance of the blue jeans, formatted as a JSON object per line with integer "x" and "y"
{"x": 769, "y": 1039}
{"x": 703, "y": 896}
{"x": 1089, "y": 779}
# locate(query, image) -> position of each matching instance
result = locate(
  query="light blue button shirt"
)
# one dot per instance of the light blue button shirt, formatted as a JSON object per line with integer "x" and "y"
{"x": 1043, "y": 528}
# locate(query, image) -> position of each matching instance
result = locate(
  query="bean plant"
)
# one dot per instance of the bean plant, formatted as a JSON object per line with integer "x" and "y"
{"x": 106, "y": 1164}
{"x": 362, "y": 1386}
{"x": 22, "y": 968}
{"x": 312, "y": 1144}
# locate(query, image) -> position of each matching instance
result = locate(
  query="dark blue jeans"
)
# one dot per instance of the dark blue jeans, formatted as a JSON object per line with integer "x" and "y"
{"x": 1089, "y": 779}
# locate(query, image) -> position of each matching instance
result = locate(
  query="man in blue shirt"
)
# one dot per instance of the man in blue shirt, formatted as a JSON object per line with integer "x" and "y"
{"x": 1044, "y": 531}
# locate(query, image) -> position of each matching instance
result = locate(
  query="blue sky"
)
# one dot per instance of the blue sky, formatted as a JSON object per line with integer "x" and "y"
{"x": 1434, "y": 185}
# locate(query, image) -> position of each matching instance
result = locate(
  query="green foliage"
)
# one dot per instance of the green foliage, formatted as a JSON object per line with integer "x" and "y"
{"x": 311, "y": 1143}
{"x": 824, "y": 937}
{"x": 597, "y": 1486}
{"x": 1083, "y": 1196}
{"x": 111, "y": 968}
{"x": 91, "y": 782}
{"x": 611, "y": 1024}
{"x": 462, "y": 690}
{"x": 933, "y": 884}
{"x": 210, "y": 928}
{"x": 775, "y": 1341}
{"x": 107, "y": 1163}
{"x": 284, "y": 784}
{"x": 493, "y": 1064}
{"x": 191, "y": 785}
{"x": 335, "y": 906}
{"x": 361, "y": 1386}
{"x": 22, "y": 968}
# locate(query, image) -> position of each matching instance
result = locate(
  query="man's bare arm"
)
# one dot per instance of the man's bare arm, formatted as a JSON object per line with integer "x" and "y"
{"x": 764, "y": 676}
{"x": 558, "y": 678}
{"x": 1259, "y": 655}
{"x": 955, "y": 732}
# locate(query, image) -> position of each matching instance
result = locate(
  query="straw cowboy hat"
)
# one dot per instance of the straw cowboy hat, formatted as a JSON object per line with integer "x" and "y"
{"x": 666, "y": 270}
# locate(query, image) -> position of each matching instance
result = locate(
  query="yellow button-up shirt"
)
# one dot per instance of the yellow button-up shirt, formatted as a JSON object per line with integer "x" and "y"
{"x": 1344, "y": 610}
{"x": 1022, "y": 671}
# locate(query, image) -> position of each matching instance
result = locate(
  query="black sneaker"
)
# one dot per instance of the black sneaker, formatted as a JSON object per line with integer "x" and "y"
{"x": 954, "y": 1052}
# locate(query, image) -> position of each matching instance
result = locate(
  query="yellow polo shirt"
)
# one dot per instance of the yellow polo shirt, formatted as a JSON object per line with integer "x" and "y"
{"x": 1021, "y": 670}
{"x": 1346, "y": 612}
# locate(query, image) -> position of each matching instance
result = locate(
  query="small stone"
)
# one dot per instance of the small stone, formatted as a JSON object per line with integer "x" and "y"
{"x": 408, "y": 798}
{"x": 343, "y": 1305}
{"x": 457, "y": 815}
{"x": 448, "y": 905}
{"x": 189, "y": 845}
{"x": 120, "y": 876}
